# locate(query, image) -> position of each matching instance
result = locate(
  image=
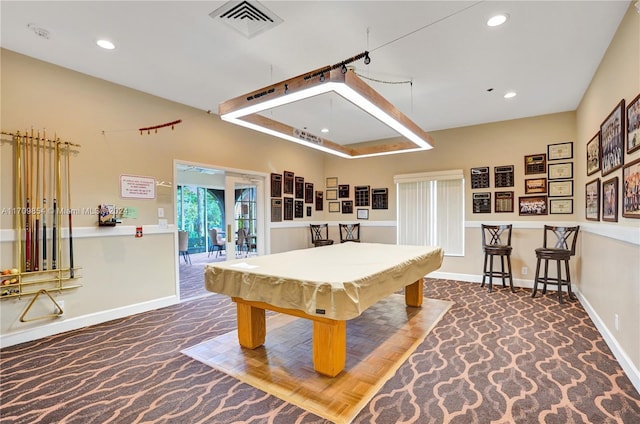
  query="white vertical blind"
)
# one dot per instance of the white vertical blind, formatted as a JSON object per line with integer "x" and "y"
{"x": 431, "y": 210}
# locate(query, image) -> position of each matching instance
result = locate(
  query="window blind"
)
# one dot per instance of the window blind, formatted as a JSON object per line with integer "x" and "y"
{"x": 431, "y": 210}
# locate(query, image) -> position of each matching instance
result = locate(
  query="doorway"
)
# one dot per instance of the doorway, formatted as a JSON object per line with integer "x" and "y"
{"x": 223, "y": 213}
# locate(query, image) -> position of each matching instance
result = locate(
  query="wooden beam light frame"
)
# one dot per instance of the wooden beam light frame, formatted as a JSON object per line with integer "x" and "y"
{"x": 244, "y": 110}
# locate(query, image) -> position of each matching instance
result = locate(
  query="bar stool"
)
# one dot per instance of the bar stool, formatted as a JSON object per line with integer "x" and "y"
{"x": 496, "y": 247}
{"x": 563, "y": 249}
{"x": 320, "y": 235}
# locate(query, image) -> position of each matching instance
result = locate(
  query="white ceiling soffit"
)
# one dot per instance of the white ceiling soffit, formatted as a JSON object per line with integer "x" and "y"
{"x": 248, "y": 18}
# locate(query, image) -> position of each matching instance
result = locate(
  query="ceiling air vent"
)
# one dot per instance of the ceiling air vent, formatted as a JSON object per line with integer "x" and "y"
{"x": 248, "y": 18}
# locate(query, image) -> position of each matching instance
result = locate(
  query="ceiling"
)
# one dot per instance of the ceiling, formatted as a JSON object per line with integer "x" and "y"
{"x": 436, "y": 61}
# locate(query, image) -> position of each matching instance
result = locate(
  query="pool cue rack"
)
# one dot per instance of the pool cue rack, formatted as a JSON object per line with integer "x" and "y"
{"x": 39, "y": 187}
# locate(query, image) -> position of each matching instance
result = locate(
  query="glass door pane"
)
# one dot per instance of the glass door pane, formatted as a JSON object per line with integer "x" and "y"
{"x": 245, "y": 215}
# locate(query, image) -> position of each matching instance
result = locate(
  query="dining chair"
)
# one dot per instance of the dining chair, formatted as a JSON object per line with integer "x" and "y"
{"x": 216, "y": 243}
{"x": 183, "y": 246}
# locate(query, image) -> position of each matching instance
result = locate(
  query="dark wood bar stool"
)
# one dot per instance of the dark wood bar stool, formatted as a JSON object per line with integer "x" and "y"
{"x": 496, "y": 241}
{"x": 561, "y": 251}
{"x": 320, "y": 235}
{"x": 349, "y": 232}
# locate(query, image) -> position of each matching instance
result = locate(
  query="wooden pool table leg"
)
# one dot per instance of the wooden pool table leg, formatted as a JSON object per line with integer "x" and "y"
{"x": 413, "y": 294}
{"x": 252, "y": 327}
{"x": 329, "y": 346}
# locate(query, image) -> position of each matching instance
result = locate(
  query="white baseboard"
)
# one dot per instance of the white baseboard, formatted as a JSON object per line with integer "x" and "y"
{"x": 474, "y": 278}
{"x": 625, "y": 362}
{"x": 61, "y": 325}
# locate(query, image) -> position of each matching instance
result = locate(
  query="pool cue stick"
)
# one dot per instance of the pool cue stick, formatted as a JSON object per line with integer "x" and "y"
{"x": 18, "y": 170}
{"x": 71, "y": 272}
{"x": 56, "y": 177}
{"x": 36, "y": 230}
{"x": 32, "y": 199}
{"x": 27, "y": 225}
{"x": 44, "y": 202}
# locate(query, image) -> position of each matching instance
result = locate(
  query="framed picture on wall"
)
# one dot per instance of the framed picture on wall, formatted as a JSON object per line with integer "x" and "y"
{"x": 610, "y": 200}
{"x": 533, "y": 205}
{"x": 535, "y": 185}
{"x": 558, "y": 171}
{"x": 343, "y": 191}
{"x": 593, "y": 155}
{"x": 504, "y": 201}
{"x": 535, "y": 164}
{"x": 561, "y": 206}
{"x": 612, "y": 140}
{"x": 561, "y": 188}
{"x": 347, "y": 206}
{"x": 631, "y": 190}
{"x": 592, "y": 200}
{"x": 633, "y": 125}
{"x": 560, "y": 151}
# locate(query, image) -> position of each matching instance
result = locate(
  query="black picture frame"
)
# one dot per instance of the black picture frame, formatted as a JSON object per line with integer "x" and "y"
{"x": 533, "y": 205}
{"x": 610, "y": 200}
{"x": 612, "y": 140}
{"x": 535, "y": 164}
{"x": 308, "y": 192}
{"x": 592, "y": 200}
{"x": 503, "y": 202}
{"x": 347, "y": 206}
{"x": 343, "y": 191}
{"x": 362, "y": 213}
{"x": 559, "y": 151}
{"x": 535, "y": 185}
{"x": 299, "y": 187}
{"x": 560, "y": 171}
{"x": 560, "y": 188}
{"x": 633, "y": 125}
{"x": 631, "y": 190}
{"x": 287, "y": 186}
{"x": 560, "y": 206}
{"x": 593, "y": 155}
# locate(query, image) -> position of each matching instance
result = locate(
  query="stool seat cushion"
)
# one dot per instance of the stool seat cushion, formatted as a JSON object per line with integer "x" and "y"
{"x": 553, "y": 253}
{"x": 323, "y": 242}
{"x": 498, "y": 249}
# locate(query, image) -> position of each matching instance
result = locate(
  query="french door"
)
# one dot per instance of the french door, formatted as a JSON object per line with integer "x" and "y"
{"x": 245, "y": 215}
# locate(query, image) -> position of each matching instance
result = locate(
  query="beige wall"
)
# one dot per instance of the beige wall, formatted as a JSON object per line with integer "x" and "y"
{"x": 611, "y": 282}
{"x": 121, "y": 273}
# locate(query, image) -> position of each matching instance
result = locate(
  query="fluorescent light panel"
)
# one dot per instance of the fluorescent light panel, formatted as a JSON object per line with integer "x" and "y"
{"x": 305, "y": 86}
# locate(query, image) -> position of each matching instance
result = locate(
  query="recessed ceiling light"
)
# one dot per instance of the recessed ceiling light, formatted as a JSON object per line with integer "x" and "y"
{"x": 324, "y": 130}
{"x": 497, "y": 20}
{"x": 106, "y": 44}
{"x": 510, "y": 95}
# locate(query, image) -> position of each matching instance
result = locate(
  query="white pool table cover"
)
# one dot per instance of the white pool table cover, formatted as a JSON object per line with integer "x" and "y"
{"x": 339, "y": 281}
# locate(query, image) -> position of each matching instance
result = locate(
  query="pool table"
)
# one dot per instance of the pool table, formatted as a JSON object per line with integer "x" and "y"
{"x": 327, "y": 285}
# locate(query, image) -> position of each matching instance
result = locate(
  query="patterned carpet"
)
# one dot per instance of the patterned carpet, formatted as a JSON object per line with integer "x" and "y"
{"x": 494, "y": 358}
{"x": 378, "y": 342}
{"x": 192, "y": 275}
